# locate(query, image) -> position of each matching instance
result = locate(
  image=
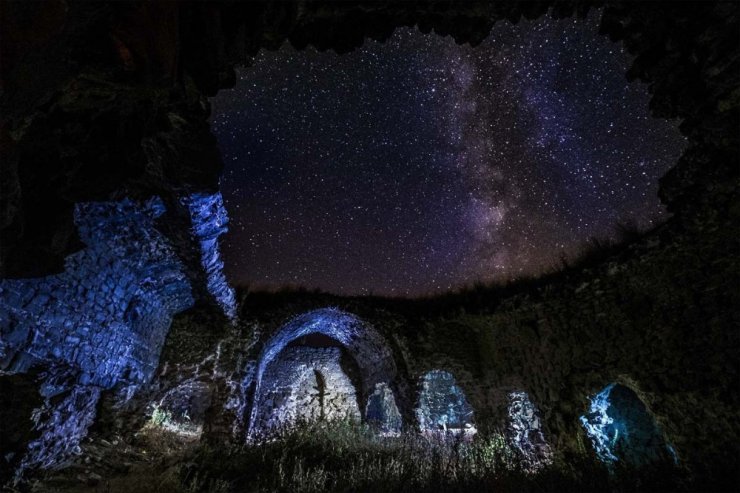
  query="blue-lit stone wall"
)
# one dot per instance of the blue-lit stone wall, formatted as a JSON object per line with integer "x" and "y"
{"x": 108, "y": 313}
{"x": 361, "y": 342}
{"x": 621, "y": 428}
{"x": 442, "y": 404}
{"x": 524, "y": 431}
{"x": 100, "y": 323}
{"x": 291, "y": 391}
{"x": 209, "y": 220}
{"x": 382, "y": 412}
{"x": 62, "y": 422}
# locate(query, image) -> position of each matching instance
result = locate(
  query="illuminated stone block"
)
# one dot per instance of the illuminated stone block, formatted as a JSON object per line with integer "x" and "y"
{"x": 622, "y": 428}
{"x": 442, "y": 405}
{"x": 381, "y": 411}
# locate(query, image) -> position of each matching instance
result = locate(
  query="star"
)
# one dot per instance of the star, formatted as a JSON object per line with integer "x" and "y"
{"x": 418, "y": 165}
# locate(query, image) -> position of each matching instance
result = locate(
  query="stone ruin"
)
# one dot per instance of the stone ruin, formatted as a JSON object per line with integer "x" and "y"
{"x": 525, "y": 431}
{"x": 622, "y": 429}
{"x": 442, "y": 406}
{"x": 382, "y": 412}
{"x": 101, "y": 324}
{"x": 92, "y": 281}
{"x": 283, "y": 365}
{"x": 305, "y": 384}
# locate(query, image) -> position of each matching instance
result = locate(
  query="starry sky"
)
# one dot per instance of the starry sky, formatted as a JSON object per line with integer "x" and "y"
{"x": 417, "y": 165}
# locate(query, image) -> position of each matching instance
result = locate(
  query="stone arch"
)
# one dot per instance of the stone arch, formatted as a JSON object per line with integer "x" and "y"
{"x": 442, "y": 405}
{"x": 182, "y": 409}
{"x": 621, "y": 428}
{"x": 279, "y": 360}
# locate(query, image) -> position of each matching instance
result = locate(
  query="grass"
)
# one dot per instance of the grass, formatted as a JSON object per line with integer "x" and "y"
{"x": 348, "y": 457}
{"x": 343, "y": 457}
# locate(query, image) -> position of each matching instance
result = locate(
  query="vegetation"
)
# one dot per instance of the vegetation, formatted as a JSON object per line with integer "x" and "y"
{"x": 345, "y": 457}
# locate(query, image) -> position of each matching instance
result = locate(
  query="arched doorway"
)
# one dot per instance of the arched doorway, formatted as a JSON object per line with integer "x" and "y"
{"x": 305, "y": 384}
{"x": 336, "y": 353}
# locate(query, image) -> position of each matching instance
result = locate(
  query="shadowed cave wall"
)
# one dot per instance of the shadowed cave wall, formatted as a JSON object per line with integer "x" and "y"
{"x": 104, "y": 107}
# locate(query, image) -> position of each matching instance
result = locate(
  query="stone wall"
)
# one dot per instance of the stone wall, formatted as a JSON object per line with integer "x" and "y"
{"x": 381, "y": 411}
{"x": 209, "y": 220}
{"x": 524, "y": 431}
{"x": 107, "y": 315}
{"x": 442, "y": 405}
{"x": 102, "y": 323}
{"x": 621, "y": 428}
{"x": 661, "y": 318}
{"x": 304, "y": 384}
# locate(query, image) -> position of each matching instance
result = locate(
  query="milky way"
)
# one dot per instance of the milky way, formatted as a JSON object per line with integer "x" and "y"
{"x": 417, "y": 165}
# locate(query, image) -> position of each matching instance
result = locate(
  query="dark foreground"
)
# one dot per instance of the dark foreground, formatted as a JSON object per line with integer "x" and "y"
{"x": 348, "y": 458}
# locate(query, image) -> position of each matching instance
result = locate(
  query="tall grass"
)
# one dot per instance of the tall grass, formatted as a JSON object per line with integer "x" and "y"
{"x": 346, "y": 457}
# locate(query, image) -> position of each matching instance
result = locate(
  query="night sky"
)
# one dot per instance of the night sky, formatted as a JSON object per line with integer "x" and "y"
{"x": 417, "y": 165}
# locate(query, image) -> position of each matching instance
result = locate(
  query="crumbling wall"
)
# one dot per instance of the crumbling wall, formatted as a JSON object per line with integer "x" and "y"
{"x": 657, "y": 318}
{"x": 291, "y": 391}
{"x": 107, "y": 314}
{"x": 524, "y": 431}
{"x": 661, "y": 318}
{"x": 101, "y": 323}
{"x": 209, "y": 220}
{"x": 381, "y": 412}
{"x": 442, "y": 405}
{"x": 621, "y": 428}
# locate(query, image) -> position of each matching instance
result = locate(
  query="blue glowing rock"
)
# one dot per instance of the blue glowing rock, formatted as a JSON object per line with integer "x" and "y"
{"x": 381, "y": 411}
{"x": 118, "y": 296}
{"x": 621, "y": 428}
{"x": 209, "y": 221}
{"x": 100, "y": 323}
{"x": 525, "y": 432}
{"x": 442, "y": 404}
